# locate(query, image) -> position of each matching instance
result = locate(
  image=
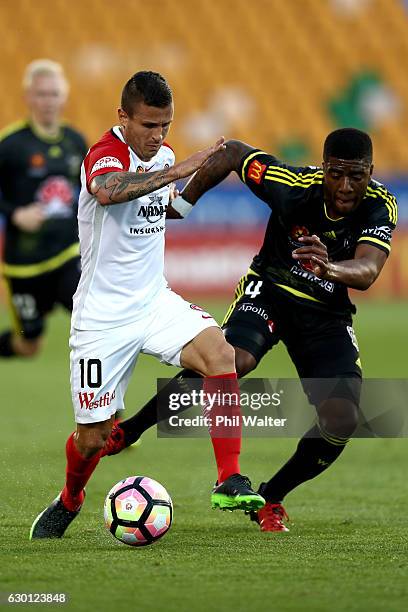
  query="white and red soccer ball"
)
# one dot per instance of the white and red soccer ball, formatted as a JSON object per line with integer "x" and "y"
{"x": 138, "y": 511}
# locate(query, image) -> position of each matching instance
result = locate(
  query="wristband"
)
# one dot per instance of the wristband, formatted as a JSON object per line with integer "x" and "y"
{"x": 181, "y": 206}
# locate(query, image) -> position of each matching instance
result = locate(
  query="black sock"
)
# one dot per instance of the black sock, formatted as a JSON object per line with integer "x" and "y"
{"x": 6, "y": 349}
{"x": 316, "y": 451}
{"x": 148, "y": 415}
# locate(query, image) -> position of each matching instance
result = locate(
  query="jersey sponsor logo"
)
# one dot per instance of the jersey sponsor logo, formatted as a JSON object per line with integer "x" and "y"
{"x": 381, "y": 231}
{"x": 154, "y": 211}
{"x": 37, "y": 166}
{"x": 140, "y": 231}
{"x": 256, "y": 170}
{"x": 57, "y": 195}
{"x": 107, "y": 162}
{"x": 309, "y": 276}
{"x": 87, "y": 401}
{"x": 55, "y": 152}
{"x": 37, "y": 160}
{"x": 142, "y": 169}
{"x": 330, "y": 235}
{"x": 248, "y": 307}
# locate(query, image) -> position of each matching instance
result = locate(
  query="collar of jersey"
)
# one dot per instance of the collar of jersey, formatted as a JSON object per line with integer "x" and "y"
{"x": 47, "y": 139}
{"x": 330, "y": 218}
{"x": 118, "y": 132}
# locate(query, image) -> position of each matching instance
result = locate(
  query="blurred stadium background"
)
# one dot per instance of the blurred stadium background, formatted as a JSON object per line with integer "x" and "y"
{"x": 278, "y": 75}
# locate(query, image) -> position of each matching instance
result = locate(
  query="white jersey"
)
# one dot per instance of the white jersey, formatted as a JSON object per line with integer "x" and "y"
{"x": 122, "y": 245}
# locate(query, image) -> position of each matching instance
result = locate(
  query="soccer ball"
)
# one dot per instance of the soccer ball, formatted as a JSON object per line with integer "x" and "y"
{"x": 138, "y": 511}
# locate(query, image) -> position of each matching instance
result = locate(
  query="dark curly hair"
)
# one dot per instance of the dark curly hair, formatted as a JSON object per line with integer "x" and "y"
{"x": 348, "y": 143}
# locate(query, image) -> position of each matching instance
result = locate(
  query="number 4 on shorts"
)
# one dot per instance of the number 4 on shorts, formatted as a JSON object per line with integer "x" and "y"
{"x": 253, "y": 288}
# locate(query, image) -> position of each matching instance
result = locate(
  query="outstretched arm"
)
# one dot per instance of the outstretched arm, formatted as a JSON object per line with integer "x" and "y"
{"x": 119, "y": 187}
{"x": 215, "y": 170}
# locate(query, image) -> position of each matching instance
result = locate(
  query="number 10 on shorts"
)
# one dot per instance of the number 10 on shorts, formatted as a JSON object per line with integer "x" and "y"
{"x": 91, "y": 373}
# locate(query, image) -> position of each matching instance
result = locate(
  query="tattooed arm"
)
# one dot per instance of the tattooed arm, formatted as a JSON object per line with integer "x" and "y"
{"x": 119, "y": 187}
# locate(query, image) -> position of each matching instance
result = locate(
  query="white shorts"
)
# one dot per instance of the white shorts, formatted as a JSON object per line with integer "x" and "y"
{"x": 102, "y": 361}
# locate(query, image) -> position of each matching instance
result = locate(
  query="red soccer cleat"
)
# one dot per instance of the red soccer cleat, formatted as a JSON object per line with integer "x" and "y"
{"x": 116, "y": 441}
{"x": 271, "y": 517}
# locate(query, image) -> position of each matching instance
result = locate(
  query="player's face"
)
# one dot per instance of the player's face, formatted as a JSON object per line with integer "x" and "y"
{"x": 345, "y": 183}
{"x": 146, "y": 129}
{"x": 46, "y": 98}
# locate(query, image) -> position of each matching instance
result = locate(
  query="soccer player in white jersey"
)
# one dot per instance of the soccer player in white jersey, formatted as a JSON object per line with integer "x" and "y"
{"x": 123, "y": 305}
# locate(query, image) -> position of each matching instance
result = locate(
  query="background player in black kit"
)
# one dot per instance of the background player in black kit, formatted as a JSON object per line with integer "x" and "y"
{"x": 40, "y": 161}
{"x": 330, "y": 229}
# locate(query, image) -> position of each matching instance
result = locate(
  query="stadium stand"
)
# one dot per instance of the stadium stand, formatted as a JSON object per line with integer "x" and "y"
{"x": 266, "y": 72}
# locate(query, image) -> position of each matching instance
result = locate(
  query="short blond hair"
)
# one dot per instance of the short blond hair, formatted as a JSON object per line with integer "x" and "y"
{"x": 43, "y": 67}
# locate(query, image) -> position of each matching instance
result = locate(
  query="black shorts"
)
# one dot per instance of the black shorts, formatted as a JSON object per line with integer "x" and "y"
{"x": 320, "y": 344}
{"x": 30, "y": 299}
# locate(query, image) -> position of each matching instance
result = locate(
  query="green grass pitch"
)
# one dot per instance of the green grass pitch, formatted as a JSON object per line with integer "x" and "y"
{"x": 347, "y": 548}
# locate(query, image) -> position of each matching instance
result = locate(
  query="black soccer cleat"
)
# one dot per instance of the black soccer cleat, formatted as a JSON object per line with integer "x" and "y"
{"x": 236, "y": 493}
{"x": 53, "y": 521}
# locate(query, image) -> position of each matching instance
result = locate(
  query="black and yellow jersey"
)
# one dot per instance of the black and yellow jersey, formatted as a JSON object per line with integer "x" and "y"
{"x": 35, "y": 169}
{"x": 295, "y": 196}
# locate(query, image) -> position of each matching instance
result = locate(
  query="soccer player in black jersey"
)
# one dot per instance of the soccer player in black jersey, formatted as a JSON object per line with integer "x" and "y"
{"x": 40, "y": 161}
{"x": 330, "y": 229}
